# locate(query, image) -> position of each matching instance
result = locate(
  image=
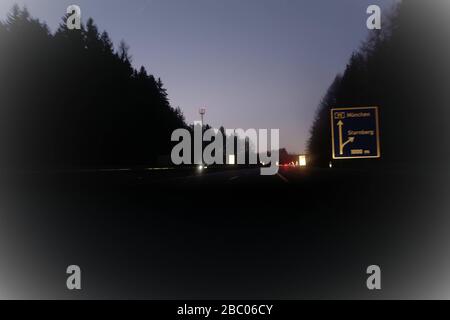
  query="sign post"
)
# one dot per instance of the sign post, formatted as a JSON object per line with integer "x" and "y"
{"x": 355, "y": 133}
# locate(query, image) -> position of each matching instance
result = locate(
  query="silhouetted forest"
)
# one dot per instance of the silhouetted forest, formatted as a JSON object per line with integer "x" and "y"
{"x": 405, "y": 70}
{"x": 69, "y": 98}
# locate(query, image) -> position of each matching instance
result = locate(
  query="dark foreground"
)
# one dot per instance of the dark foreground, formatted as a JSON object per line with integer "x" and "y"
{"x": 224, "y": 235}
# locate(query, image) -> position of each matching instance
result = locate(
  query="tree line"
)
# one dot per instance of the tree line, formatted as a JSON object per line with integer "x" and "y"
{"x": 70, "y": 98}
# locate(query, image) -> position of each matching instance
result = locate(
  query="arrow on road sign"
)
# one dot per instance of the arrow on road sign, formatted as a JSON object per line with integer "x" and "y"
{"x": 341, "y": 143}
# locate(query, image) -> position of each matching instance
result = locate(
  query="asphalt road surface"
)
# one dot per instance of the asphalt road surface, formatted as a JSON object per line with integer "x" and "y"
{"x": 232, "y": 234}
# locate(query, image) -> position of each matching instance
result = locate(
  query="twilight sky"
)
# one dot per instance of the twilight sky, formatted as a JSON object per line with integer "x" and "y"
{"x": 252, "y": 63}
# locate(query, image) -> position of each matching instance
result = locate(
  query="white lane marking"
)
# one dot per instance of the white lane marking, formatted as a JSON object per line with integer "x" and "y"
{"x": 282, "y": 177}
{"x": 108, "y": 170}
{"x": 233, "y": 178}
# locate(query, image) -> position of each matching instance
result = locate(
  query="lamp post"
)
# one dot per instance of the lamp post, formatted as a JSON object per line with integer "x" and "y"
{"x": 202, "y": 112}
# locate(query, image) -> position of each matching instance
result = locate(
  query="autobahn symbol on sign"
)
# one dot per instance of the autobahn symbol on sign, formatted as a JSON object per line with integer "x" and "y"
{"x": 355, "y": 133}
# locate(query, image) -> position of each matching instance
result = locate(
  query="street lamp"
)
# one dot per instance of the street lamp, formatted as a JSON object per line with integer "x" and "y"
{"x": 202, "y": 112}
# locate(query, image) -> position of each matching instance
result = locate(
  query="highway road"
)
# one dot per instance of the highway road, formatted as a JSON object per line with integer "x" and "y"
{"x": 232, "y": 234}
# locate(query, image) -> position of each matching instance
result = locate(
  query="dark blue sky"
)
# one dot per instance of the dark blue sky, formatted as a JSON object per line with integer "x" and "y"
{"x": 253, "y": 63}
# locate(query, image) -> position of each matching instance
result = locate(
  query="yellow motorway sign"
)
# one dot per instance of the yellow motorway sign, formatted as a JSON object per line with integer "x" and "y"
{"x": 355, "y": 133}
